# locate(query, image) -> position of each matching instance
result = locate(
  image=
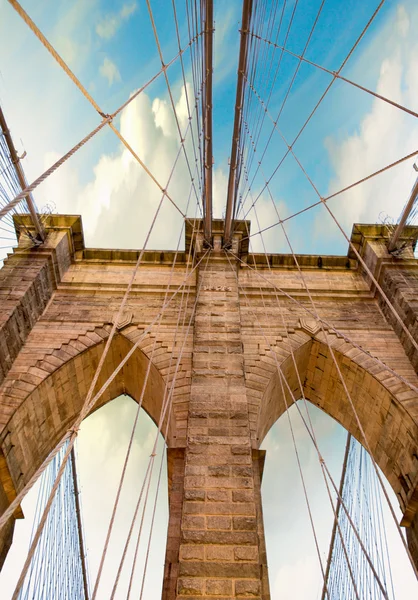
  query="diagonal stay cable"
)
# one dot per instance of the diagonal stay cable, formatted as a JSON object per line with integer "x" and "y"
{"x": 356, "y": 252}
{"x": 308, "y": 505}
{"x": 28, "y": 486}
{"x": 335, "y": 194}
{"x": 302, "y": 58}
{"x": 284, "y": 379}
{"x": 352, "y": 246}
{"x": 144, "y": 386}
{"x": 311, "y": 430}
{"x": 346, "y": 59}
{"x": 88, "y": 402}
{"x": 173, "y": 107}
{"x": 168, "y": 393}
{"x": 336, "y": 331}
{"x": 76, "y": 81}
{"x": 183, "y": 326}
{"x": 341, "y": 377}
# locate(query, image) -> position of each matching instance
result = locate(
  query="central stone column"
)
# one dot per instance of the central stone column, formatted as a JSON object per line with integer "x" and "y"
{"x": 216, "y": 527}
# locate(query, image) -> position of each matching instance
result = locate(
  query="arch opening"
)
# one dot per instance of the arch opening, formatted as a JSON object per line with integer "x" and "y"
{"x": 48, "y": 409}
{"x": 386, "y": 408}
{"x": 288, "y": 531}
{"x": 101, "y": 449}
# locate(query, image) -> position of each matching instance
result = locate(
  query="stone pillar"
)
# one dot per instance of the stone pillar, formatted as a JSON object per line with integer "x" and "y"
{"x": 222, "y": 548}
{"x": 398, "y": 278}
{"x": 27, "y": 281}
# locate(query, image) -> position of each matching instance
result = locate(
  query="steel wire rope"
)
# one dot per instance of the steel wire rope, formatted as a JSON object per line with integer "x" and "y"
{"x": 197, "y": 59}
{"x": 127, "y": 456}
{"x": 168, "y": 421}
{"x": 337, "y": 332}
{"x": 313, "y": 438}
{"x": 166, "y": 404}
{"x": 84, "y": 575}
{"x": 358, "y": 255}
{"x": 385, "y": 550}
{"x": 15, "y": 503}
{"x": 320, "y": 321}
{"x": 283, "y": 321}
{"x": 269, "y": 71}
{"x": 277, "y": 71}
{"x": 9, "y": 187}
{"x": 253, "y": 59}
{"x": 283, "y": 48}
{"x": 346, "y": 59}
{"x": 151, "y": 530}
{"x": 341, "y": 191}
{"x": 157, "y": 491}
{"x": 290, "y": 391}
{"x": 107, "y": 119}
{"x": 168, "y": 374}
{"x": 139, "y": 405}
{"x": 311, "y": 431}
{"x": 34, "y": 478}
{"x": 173, "y": 2}
{"x": 193, "y": 64}
{"x": 266, "y": 50}
{"x": 50, "y": 574}
{"x": 281, "y": 379}
{"x": 323, "y": 199}
{"x": 181, "y": 136}
{"x": 87, "y": 405}
{"x": 290, "y": 347}
{"x": 351, "y": 245}
{"x": 302, "y": 58}
{"x": 341, "y": 377}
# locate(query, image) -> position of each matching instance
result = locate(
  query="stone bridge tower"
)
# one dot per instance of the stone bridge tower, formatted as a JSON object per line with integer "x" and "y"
{"x": 58, "y": 306}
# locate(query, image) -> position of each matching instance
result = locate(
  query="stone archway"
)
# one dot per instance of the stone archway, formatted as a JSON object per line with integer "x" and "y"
{"x": 50, "y": 407}
{"x": 59, "y": 303}
{"x": 387, "y": 408}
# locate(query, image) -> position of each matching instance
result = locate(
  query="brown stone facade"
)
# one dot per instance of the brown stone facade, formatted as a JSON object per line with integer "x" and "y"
{"x": 59, "y": 302}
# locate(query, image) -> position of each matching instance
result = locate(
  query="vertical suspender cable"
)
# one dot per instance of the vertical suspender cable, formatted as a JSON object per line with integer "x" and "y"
{"x": 337, "y": 514}
{"x": 79, "y": 525}
{"x": 21, "y": 176}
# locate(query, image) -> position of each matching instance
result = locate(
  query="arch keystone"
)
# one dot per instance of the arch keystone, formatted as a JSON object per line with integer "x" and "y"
{"x": 309, "y": 326}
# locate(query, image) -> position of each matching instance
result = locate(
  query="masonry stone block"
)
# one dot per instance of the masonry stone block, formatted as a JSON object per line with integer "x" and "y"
{"x": 58, "y": 305}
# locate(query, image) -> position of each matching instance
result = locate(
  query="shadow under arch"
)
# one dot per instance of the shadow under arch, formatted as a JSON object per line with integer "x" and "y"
{"x": 43, "y": 417}
{"x": 387, "y": 408}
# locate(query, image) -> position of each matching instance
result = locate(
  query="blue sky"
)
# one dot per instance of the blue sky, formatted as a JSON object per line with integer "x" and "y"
{"x": 111, "y": 48}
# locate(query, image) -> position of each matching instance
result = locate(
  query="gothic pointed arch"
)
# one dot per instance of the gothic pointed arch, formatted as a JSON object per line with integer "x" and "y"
{"x": 387, "y": 408}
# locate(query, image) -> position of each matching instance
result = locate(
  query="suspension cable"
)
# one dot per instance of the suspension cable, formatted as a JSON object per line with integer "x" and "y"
{"x": 311, "y": 114}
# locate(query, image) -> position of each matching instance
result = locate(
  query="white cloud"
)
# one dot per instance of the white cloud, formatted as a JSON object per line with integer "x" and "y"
{"x": 110, "y": 23}
{"x": 226, "y": 41}
{"x": 102, "y": 447}
{"x": 402, "y": 21}
{"x": 297, "y": 580}
{"x": 128, "y": 10}
{"x": 107, "y": 28}
{"x": 71, "y": 37}
{"x": 119, "y": 202}
{"x": 109, "y": 71}
{"x": 385, "y": 134}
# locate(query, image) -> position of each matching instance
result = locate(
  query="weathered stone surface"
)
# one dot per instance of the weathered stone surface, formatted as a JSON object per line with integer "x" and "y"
{"x": 58, "y": 304}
